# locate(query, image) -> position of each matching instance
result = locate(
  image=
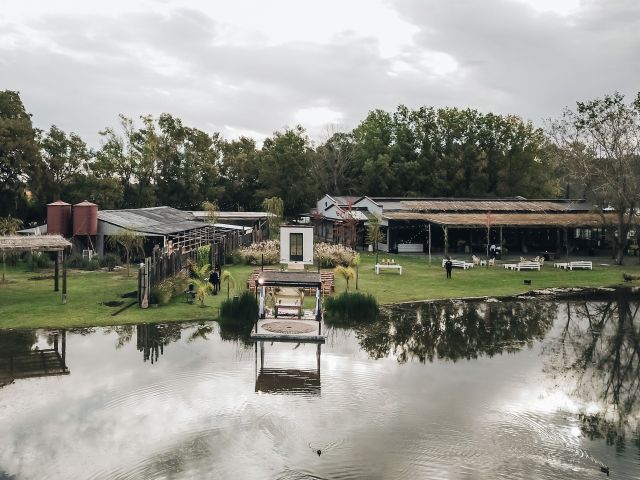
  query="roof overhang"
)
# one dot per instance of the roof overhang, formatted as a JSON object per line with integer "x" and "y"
{"x": 289, "y": 279}
{"x": 472, "y": 220}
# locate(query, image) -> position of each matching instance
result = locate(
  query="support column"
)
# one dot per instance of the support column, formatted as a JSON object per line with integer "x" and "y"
{"x": 318, "y": 303}
{"x": 56, "y": 273}
{"x": 64, "y": 279}
{"x": 100, "y": 244}
{"x": 261, "y": 356}
{"x": 261, "y": 310}
{"x": 446, "y": 240}
{"x": 429, "y": 244}
{"x": 566, "y": 241}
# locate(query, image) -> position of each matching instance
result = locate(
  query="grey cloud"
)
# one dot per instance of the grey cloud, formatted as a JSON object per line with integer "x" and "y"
{"x": 510, "y": 61}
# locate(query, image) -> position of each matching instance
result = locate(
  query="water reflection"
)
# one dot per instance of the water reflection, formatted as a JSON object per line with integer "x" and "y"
{"x": 599, "y": 348}
{"x": 286, "y": 380}
{"x": 22, "y": 357}
{"x": 152, "y": 338}
{"x": 456, "y": 330}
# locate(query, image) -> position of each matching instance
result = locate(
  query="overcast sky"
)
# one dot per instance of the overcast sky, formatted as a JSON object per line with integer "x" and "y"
{"x": 249, "y": 67}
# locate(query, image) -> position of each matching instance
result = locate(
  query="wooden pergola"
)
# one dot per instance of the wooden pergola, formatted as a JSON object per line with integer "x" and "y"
{"x": 41, "y": 243}
{"x": 306, "y": 280}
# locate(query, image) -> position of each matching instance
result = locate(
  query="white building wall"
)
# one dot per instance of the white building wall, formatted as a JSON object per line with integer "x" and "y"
{"x": 307, "y": 244}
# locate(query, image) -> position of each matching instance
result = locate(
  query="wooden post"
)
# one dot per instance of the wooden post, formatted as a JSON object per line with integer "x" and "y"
{"x": 566, "y": 240}
{"x": 261, "y": 356}
{"x": 429, "y": 244}
{"x": 500, "y": 240}
{"x": 446, "y": 240}
{"x": 64, "y": 349}
{"x": 64, "y": 279}
{"x": 56, "y": 273}
{"x": 139, "y": 286}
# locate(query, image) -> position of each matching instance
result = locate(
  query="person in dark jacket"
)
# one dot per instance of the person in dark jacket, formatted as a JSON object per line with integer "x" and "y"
{"x": 448, "y": 266}
{"x": 214, "y": 279}
{"x": 219, "y": 270}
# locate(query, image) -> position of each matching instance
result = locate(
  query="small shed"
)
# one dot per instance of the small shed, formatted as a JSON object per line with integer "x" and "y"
{"x": 296, "y": 244}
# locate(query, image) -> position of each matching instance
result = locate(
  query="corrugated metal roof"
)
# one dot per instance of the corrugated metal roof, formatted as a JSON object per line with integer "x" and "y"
{"x": 503, "y": 205}
{"x": 202, "y": 214}
{"x": 155, "y": 220}
{"x": 576, "y": 219}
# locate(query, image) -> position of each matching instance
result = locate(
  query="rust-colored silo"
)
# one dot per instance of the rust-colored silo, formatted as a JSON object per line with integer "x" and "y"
{"x": 85, "y": 218}
{"x": 59, "y": 218}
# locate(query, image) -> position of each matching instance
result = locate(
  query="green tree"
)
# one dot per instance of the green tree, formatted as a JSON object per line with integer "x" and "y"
{"x": 274, "y": 206}
{"x": 8, "y": 226}
{"x": 130, "y": 157}
{"x": 129, "y": 240}
{"x": 63, "y": 157}
{"x": 286, "y": 163}
{"x": 598, "y": 144}
{"x": 18, "y": 152}
{"x": 239, "y": 171}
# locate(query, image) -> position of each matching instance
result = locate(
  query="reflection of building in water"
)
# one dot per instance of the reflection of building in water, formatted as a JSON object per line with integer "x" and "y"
{"x": 18, "y": 358}
{"x": 286, "y": 380}
{"x": 152, "y": 338}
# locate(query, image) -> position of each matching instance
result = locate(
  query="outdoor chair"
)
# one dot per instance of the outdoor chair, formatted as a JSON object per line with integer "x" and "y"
{"x": 475, "y": 260}
{"x": 190, "y": 293}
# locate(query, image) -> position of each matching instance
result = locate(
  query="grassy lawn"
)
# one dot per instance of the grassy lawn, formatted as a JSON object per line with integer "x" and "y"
{"x": 419, "y": 281}
{"x": 32, "y": 303}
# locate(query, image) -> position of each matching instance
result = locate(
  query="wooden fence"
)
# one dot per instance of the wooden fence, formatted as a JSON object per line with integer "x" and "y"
{"x": 161, "y": 266}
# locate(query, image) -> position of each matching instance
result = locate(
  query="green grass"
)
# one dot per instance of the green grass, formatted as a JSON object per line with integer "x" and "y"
{"x": 419, "y": 281}
{"x": 28, "y": 303}
{"x": 33, "y": 304}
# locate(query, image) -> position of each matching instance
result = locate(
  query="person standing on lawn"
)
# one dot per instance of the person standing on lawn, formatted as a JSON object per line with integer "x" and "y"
{"x": 448, "y": 266}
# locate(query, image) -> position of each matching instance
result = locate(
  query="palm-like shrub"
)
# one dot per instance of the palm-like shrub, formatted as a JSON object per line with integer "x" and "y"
{"x": 347, "y": 273}
{"x": 200, "y": 278}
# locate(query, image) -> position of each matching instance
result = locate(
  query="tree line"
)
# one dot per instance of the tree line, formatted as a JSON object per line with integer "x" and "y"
{"x": 426, "y": 151}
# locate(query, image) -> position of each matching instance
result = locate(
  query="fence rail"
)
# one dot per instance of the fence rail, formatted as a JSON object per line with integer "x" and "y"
{"x": 161, "y": 266}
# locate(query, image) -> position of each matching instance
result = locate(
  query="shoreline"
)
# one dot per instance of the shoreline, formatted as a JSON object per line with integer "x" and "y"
{"x": 551, "y": 293}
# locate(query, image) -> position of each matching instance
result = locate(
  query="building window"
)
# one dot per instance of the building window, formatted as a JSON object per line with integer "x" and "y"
{"x": 295, "y": 247}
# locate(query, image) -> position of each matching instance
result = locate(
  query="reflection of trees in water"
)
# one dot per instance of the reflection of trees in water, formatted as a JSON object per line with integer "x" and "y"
{"x": 15, "y": 342}
{"x": 600, "y": 347}
{"x": 123, "y": 332}
{"x": 201, "y": 331}
{"x": 152, "y": 338}
{"x": 456, "y": 330}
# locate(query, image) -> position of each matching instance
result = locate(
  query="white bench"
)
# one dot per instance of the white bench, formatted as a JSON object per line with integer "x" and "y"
{"x": 580, "y": 264}
{"x": 528, "y": 266}
{"x": 510, "y": 266}
{"x": 380, "y": 266}
{"x": 560, "y": 265}
{"x": 288, "y": 303}
{"x": 458, "y": 264}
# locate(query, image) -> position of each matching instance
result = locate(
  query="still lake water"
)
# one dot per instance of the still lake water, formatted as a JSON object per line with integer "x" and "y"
{"x": 451, "y": 390}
